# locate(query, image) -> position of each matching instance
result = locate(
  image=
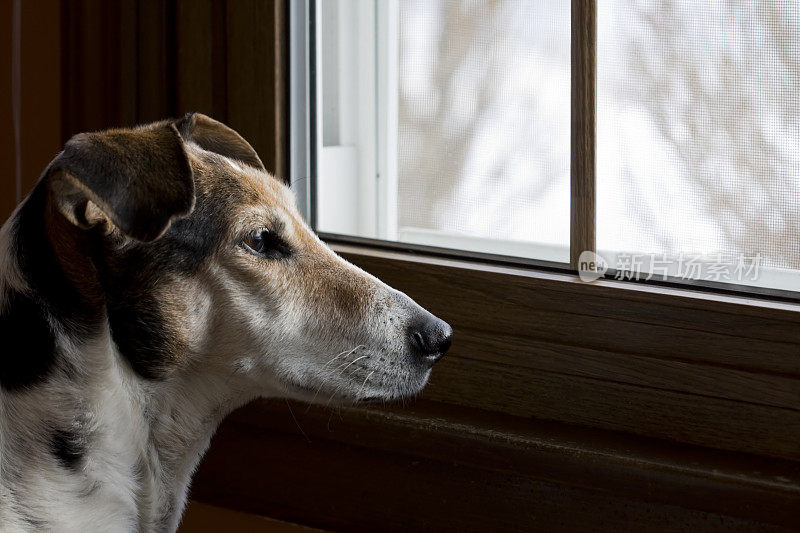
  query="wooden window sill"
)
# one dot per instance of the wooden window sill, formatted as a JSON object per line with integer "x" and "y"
{"x": 441, "y": 466}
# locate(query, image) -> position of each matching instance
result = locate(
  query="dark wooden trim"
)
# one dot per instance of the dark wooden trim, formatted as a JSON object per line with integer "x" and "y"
{"x": 435, "y": 467}
{"x": 281, "y": 88}
{"x": 256, "y": 60}
{"x": 105, "y": 62}
{"x": 709, "y": 289}
{"x": 219, "y": 58}
{"x": 153, "y": 91}
{"x": 202, "y": 518}
{"x": 582, "y": 138}
{"x": 8, "y": 184}
{"x": 201, "y": 53}
{"x": 127, "y": 54}
{"x": 41, "y": 88}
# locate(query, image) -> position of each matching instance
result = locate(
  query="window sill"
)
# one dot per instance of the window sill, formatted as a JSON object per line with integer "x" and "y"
{"x": 713, "y": 370}
{"x": 432, "y": 466}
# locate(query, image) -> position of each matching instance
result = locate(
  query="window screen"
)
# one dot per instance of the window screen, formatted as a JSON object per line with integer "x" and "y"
{"x": 699, "y": 135}
{"x": 446, "y": 123}
{"x": 483, "y": 138}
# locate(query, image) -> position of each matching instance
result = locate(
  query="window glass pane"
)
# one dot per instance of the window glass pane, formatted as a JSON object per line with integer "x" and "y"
{"x": 699, "y": 138}
{"x": 471, "y": 124}
{"x": 484, "y": 120}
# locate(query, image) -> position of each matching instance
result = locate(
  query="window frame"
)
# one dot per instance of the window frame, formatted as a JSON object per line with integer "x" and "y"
{"x": 306, "y": 100}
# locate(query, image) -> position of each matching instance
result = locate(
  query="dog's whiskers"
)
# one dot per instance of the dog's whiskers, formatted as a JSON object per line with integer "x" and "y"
{"x": 363, "y": 384}
{"x": 335, "y": 390}
{"x": 351, "y": 362}
{"x": 344, "y": 353}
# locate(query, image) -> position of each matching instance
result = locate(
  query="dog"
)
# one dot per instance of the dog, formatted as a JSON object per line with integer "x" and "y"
{"x": 155, "y": 279}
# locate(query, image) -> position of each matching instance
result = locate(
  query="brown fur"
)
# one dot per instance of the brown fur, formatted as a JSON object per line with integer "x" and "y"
{"x": 218, "y": 138}
{"x": 140, "y": 178}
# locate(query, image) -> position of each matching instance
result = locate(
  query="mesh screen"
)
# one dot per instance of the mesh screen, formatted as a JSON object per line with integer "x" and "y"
{"x": 483, "y": 141}
{"x": 699, "y": 128}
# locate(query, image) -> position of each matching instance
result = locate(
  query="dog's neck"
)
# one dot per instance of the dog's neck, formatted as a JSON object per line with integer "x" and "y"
{"x": 139, "y": 440}
{"x": 170, "y": 423}
{"x": 183, "y": 414}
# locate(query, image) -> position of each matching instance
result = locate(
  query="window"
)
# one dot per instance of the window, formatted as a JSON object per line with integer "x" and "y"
{"x": 447, "y": 124}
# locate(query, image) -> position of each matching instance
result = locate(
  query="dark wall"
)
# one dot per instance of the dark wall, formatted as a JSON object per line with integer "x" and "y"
{"x": 32, "y": 95}
{"x": 92, "y": 64}
{"x": 137, "y": 61}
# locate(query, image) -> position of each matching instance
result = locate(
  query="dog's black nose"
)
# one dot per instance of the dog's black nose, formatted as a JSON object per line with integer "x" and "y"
{"x": 430, "y": 338}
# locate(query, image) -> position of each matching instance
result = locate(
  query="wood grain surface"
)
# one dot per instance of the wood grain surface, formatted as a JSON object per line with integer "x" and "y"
{"x": 583, "y": 130}
{"x": 433, "y": 467}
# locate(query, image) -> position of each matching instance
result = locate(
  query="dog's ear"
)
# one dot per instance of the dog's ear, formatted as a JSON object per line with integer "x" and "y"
{"x": 137, "y": 179}
{"x": 216, "y": 137}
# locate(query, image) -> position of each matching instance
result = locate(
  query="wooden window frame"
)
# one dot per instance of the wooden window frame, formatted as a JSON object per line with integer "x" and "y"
{"x": 583, "y": 131}
{"x": 305, "y": 137}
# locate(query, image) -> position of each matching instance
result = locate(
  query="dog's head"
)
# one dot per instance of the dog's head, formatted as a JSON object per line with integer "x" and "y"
{"x": 203, "y": 264}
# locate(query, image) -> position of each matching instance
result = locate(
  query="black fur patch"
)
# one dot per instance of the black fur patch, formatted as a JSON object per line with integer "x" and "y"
{"x": 28, "y": 353}
{"x": 68, "y": 448}
{"x": 42, "y": 271}
{"x": 28, "y": 343}
{"x": 129, "y": 280}
{"x": 141, "y": 335}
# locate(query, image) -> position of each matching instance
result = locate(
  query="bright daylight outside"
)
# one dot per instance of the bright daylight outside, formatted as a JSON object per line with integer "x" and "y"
{"x": 447, "y": 123}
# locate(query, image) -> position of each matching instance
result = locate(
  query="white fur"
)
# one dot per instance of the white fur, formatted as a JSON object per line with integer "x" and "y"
{"x": 147, "y": 439}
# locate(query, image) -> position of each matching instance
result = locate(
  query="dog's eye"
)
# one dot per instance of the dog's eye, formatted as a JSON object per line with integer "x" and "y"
{"x": 265, "y": 243}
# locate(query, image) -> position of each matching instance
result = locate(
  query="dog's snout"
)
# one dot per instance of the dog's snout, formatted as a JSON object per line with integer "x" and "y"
{"x": 430, "y": 338}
